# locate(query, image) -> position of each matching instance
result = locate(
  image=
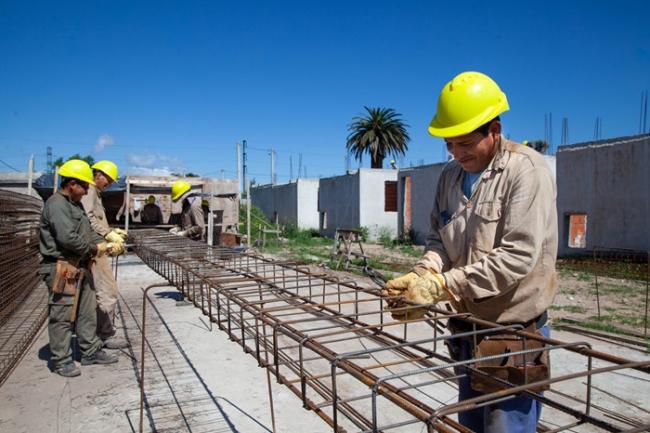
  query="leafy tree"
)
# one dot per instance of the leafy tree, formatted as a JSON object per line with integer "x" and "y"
{"x": 380, "y": 133}
{"x": 539, "y": 145}
{"x": 60, "y": 161}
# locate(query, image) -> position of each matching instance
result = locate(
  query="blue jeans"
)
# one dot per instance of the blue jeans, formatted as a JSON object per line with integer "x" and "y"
{"x": 516, "y": 415}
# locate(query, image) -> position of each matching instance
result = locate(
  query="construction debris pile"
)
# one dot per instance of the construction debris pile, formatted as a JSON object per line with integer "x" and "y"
{"x": 23, "y": 308}
{"x": 330, "y": 342}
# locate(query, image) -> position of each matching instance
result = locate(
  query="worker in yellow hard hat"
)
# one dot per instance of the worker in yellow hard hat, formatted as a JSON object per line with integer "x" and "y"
{"x": 491, "y": 250}
{"x": 192, "y": 222}
{"x": 68, "y": 246}
{"x": 104, "y": 174}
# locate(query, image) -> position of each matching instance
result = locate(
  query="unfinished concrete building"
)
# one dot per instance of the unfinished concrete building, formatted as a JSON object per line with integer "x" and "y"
{"x": 603, "y": 195}
{"x": 290, "y": 203}
{"x": 416, "y": 190}
{"x": 362, "y": 198}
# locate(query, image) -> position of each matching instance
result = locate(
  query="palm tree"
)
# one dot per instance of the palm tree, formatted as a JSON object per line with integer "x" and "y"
{"x": 381, "y": 133}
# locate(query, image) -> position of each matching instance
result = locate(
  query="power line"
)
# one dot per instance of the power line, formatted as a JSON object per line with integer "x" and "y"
{"x": 11, "y": 167}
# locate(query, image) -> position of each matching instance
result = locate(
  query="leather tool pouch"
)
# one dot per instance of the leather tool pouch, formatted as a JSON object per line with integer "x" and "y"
{"x": 65, "y": 278}
{"x": 516, "y": 369}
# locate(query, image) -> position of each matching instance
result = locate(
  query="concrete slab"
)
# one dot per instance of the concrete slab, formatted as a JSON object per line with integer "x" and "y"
{"x": 197, "y": 381}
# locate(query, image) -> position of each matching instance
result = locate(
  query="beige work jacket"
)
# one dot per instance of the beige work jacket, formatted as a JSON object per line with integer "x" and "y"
{"x": 192, "y": 216}
{"x": 92, "y": 203}
{"x": 497, "y": 249}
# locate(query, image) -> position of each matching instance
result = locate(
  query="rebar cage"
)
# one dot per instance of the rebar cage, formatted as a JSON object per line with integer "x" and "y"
{"x": 330, "y": 341}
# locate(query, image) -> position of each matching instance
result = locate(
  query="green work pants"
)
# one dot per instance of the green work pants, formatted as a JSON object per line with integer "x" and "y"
{"x": 60, "y": 328}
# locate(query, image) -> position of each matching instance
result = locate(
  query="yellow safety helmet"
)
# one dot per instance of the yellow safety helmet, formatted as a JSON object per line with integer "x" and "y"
{"x": 107, "y": 167}
{"x": 469, "y": 100}
{"x": 77, "y": 169}
{"x": 179, "y": 188}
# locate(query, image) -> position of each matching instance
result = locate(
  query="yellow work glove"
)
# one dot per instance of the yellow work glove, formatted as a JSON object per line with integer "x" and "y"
{"x": 103, "y": 248}
{"x": 121, "y": 232}
{"x": 428, "y": 288}
{"x": 114, "y": 236}
{"x": 116, "y": 249}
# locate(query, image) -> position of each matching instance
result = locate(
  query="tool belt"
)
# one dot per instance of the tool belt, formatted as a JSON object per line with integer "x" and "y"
{"x": 66, "y": 276}
{"x": 518, "y": 369}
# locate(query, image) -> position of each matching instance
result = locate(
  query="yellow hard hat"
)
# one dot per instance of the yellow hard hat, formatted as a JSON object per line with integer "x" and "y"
{"x": 77, "y": 169}
{"x": 469, "y": 100}
{"x": 107, "y": 167}
{"x": 206, "y": 203}
{"x": 179, "y": 188}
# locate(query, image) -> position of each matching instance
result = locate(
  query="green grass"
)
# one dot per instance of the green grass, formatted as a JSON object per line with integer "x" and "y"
{"x": 584, "y": 276}
{"x": 410, "y": 250}
{"x": 566, "y": 291}
{"x": 605, "y": 289}
{"x": 569, "y": 308}
{"x": 619, "y": 318}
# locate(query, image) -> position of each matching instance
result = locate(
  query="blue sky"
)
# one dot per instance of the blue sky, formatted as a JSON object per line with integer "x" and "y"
{"x": 172, "y": 86}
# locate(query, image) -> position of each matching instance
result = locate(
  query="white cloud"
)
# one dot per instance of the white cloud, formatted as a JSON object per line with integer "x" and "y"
{"x": 103, "y": 141}
{"x": 146, "y": 160}
{"x": 154, "y": 164}
{"x": 148, "y": 171}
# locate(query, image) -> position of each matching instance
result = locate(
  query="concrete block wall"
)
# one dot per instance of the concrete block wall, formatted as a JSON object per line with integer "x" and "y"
{"x": 372, "y": 213}
{"x": 356, "y": 200}
{"x": 291, "y": 203}
{"x": 338, "y": 203}
{"x": 609, "y": 181}
{"x": 423, "y": 181}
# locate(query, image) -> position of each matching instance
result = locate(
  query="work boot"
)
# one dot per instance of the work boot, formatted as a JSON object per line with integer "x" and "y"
{"x": 99, "y": 357}
{"x": 67, "y": 369}
{"x": 115, "y": 342}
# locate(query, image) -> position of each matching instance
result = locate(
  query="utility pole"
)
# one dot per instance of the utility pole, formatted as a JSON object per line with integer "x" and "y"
{"x": 248, "y": 212}
{"x": 30, "y": 174}
{"x": 272, "y": 153}
{"x": 245, "y": 156}
{"x": 239, "y": 182}
{"x": 49, "y": 160}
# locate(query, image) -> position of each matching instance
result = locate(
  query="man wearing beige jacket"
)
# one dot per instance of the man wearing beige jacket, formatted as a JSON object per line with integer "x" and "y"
{"x": 492, "y": 246}
{"x": 105, "y": 173}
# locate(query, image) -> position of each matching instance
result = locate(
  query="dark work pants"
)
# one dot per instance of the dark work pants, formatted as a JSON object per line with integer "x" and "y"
{"x": 60, "y": 328}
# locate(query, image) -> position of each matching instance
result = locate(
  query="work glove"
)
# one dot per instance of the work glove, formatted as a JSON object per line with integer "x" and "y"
{"x": 428, "y": 288}
{"x": 114, "y": 236}
{"x": 116, "y": 249}
{"x": 174, "y": 230}
{"x": 182, "y": 233}
{"x": 103, "y": 248}
{"x": 121, "y": 232}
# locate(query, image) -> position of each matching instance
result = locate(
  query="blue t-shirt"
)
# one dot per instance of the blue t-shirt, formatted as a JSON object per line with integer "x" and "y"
{"x": 469, "y": 182}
